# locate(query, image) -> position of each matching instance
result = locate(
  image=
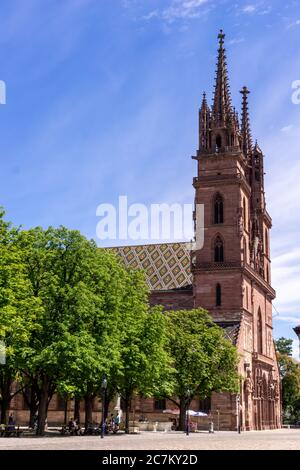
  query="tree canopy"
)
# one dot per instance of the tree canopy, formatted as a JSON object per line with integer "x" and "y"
{"x": 290, "y": 380}
{"x": 71, "y": 313}
{"x": 203, "y": 360}
{"x": 284, "y": 346}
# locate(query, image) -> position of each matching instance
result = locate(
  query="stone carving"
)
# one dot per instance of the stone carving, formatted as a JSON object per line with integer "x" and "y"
{"x": 240, "y": 221}
{"x": 248, "y": 383}
{"x": 271, "y": 390}
{"x": 276, "y": 390}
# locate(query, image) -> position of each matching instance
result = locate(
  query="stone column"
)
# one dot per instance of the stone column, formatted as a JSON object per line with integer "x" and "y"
{"x": 248, "y": 391}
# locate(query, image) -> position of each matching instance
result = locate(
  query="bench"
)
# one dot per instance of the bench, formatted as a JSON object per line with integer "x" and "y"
{"x": 66, "y": 431}
{"x": 10, "y": 431}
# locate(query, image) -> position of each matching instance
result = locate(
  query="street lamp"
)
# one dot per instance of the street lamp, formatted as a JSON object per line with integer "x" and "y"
{"x": 238, "y": 420}
{"x": 103, "y": 390}
{"x": 188, "y": 393}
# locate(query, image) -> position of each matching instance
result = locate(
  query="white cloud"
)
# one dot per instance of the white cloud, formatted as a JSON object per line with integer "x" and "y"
{"x": 249, "y": 9}
{"x": 294, "y": 23}
{"x": 288, "y": 319}
{"x": 152, "y": 14}
{"x": 287, "y": 128}
{"x": 265, "y": 12}
{"x": 233, "y": 41}
{"x": 183, "y": 9}
{"x": 178, "y": 9}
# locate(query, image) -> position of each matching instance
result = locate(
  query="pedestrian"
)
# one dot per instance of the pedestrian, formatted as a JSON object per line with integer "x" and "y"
{"x": 11, "y": 425}
{"x": 116, "y": 423}
{"x": 112, "y": 423}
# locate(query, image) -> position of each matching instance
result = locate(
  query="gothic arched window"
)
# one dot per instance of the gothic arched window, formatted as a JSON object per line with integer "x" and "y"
{"x": 245, "y": 250}
{"x": 266, "y": 243}
{"x": 245, "y": 214}
{"x": 218, "y": 209}
{"x": 259, "y": 333}
{"x": 218, "y": 295}
{"x": 219, "y": 250}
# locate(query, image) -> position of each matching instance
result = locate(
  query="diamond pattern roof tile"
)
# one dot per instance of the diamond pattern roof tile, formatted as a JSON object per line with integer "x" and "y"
{"x": 151, "y": 258}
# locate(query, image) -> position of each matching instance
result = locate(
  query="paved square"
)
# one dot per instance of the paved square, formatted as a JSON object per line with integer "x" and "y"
{"x": 288, "y": 439}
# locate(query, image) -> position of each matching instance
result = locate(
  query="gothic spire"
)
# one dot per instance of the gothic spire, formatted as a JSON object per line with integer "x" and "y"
{"x": 222, "y": 110}
{"x": 204, "y": 102}
{"x": 204, "y": 118}
{"x": 245, "y": 129}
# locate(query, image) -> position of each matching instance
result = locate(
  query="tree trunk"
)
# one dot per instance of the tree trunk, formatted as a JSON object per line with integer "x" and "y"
{"x": 65, "y": 410}
{"x": 32, "y": 403}
{"x": 43, "y": 407}
{"x": 4, "y": 410}
{"x": 88, "y": 406}
{"x": 5, "y": 392}
{"x": 127, "y": 401}
{"x": 182, "y": 415}
{"x": 77, "y": 410}
{"x": 33, "y": 407}
{"x": 183, "y": 418}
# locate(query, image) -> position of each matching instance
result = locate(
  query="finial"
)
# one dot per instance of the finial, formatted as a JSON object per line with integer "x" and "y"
{"x": 244, "y": 91}
{"x": 204, "y": 102}
{"x": 245, "y": 124}
{"x": 221, "y": 37}
{"x": 222, "y": 108}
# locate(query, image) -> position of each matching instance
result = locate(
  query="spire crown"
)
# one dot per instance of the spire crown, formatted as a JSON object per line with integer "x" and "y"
{"x": 221, "y": 37}
{"x": 245, "y": 127}
{"x": 245, "y": 90}
{"x": 204, "y": 105}
{"x": 222, "y": 100}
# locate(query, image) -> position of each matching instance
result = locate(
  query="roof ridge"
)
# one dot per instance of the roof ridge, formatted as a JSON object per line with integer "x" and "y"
{"x": 145, "y": 244}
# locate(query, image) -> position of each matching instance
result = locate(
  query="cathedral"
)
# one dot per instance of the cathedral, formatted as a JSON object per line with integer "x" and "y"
{"x": 230, "y": 275}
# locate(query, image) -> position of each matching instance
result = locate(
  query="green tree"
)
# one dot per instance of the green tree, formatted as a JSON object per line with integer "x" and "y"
{"x": 204, "y": 361}
{"x": 284, "y": 346}
{"x": 290, "y": 379}
{"x": 73, "y": 281}
{"x": 18, "y": 309}
{"x": 144, "y": 366}
{"x": 98, "y": 346}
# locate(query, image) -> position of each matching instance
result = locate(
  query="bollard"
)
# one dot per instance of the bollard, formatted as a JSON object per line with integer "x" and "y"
{"x": 211, "y": 427}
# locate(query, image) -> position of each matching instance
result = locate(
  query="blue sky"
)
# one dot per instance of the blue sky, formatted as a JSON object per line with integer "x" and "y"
{"x": 102, "y": 100}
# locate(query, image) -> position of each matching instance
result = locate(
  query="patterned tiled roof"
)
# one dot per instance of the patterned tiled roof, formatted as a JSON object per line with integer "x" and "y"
{"x": 231, "y": 330}
{"x": 166, "y": 265}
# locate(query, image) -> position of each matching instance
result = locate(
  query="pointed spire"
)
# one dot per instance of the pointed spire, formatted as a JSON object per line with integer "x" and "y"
{"x": 204, "y": 106}
{"x": 236, "y": 118}
{"x": 245, "y": 129}
{"x": 204, "y": 102}
{"x": 204, "y": 118}
{"x": 222, "y": 110}
{"x": 257, "y": 148}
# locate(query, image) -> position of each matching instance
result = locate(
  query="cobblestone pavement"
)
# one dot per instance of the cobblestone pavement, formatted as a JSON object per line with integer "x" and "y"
{"x": 257, "y": 440}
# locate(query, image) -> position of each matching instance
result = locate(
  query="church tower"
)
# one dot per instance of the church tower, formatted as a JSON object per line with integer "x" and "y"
{"x": 231, "y": 272}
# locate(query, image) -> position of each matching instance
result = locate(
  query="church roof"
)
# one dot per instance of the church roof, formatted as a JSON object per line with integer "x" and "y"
{"x": 231, "y": 330}
{"x": 166, "y": 265}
